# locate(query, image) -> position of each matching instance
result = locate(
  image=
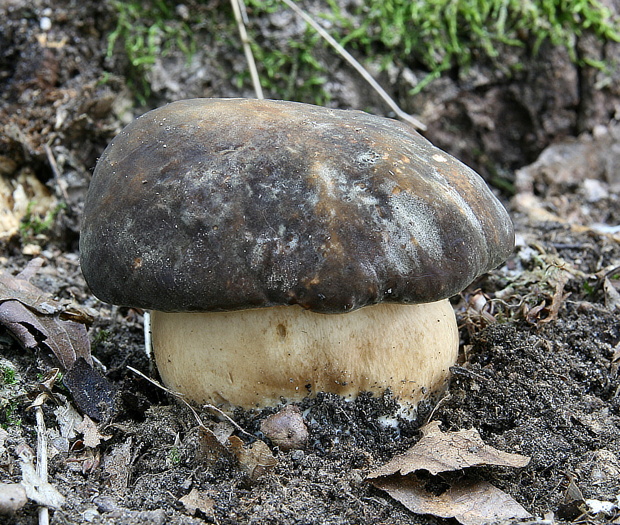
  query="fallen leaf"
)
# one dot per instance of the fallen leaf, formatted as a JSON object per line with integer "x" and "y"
{"x": 198, "y": 500}
{"x": 439, "y": 451}
{"x": 255, "y": 459}
{"x": 36, "y": 488}
{"x": 470, "y": 502}
{"x": 37, "y": 320}
{"x": 92, "y": 437}
{"x": 68, "y": 419}
{"x": 92, "y": 393}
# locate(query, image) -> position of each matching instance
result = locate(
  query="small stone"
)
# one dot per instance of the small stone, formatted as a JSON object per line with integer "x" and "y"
{"x": 45, "y": 23}
{"x": 12, "y": 498}
{"x": 286, "y": 429}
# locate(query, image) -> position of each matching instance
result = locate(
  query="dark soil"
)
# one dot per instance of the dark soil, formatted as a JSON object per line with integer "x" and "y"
{"x": 538, "y": 371}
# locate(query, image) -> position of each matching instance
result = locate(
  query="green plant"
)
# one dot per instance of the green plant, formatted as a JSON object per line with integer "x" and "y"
{"x": 7, "y": 375}
{"x": 292, "y": 73}
{"x": 174, "y": 456}
{"x": 435, "y": 35}
{"x": 440, "y": 34}
{"x": 9, "y": 417}
{"x": 101, "y": 337}
{"x": 33, "y": 225}
{"x": 148, "y": 30}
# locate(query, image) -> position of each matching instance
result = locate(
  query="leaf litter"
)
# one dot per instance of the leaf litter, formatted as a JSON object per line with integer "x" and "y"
{"x": 470, "y": 501}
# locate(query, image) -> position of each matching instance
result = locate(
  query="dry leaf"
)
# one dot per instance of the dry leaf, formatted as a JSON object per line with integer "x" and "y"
{"x": 92, "y": 393}
{"x": 255, "y": 459}
{"x": 210, "y": 448}
{"x": 37, "y": 489}
{"x": 37, "y": 320}
{"x": 68, "y": 419}
{"x": 439, "y": 451}
{"x": 470, "y": 502}
{"x": 92, "y": 437}
{"x": 198, "y": 500}
{"x": 117, "y": 465}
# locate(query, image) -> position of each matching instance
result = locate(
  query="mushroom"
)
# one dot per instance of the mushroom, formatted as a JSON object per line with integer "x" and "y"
{"x": 286, "y": 249}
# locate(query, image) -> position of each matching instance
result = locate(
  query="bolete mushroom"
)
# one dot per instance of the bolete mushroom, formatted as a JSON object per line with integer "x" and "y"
{"x": 287, "y": 249}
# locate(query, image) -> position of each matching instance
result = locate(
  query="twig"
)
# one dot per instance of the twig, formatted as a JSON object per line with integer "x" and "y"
{"x": 148, "y": 344}
{"x": 358, "y": 67}
{"x": 52, "y": 162}
{"x": 44, "y": 517}
{"x": 179, "y": 396}
{"x": 444, "y": 398}
{"x": 237, "y": 5}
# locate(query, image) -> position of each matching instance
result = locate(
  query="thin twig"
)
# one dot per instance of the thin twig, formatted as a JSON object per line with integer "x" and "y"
{"x": 148, "y": 342}
{"x": 52, "y": 162}
{"x": 444, "y": 398}
{"x": 358, "y": 67}
{"x": 237, "y": 5}
{"x": 179, "y": 396}
{"x": 44, "y": 517}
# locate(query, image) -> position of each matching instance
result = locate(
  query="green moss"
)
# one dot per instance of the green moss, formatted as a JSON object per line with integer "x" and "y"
{"x": 432, "y": 35}
{"x": 7, "y": 375}
{"x": 33, "y": 225}
{"x": 292, "y": 73}
{"x": 174, "y": 456}
{"x": 101, "y": 337}
{"x": 8, "y": 417}
{"x": 440, "y": 34}
{"x": 147, "y": 30}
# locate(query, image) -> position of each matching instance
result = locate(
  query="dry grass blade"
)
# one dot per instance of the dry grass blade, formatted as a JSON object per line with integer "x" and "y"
{"x": 179, "y": 396}
{"x": 237, "y": 5}
{"x": 358, "y": 67}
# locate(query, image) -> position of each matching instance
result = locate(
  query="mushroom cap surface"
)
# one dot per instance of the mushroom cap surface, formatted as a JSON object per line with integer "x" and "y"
{"x": 224, "y": 204}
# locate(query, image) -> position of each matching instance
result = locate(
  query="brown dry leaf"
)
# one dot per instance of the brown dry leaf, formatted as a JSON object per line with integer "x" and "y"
{"x": 210, "y": 448}
{"x": 117, "y": 465}
{"x": 612, "y": 295}
{"x": 92, "y": 437}
{"x": 557, "y": 300}
{"x": 37, "y": 320}
{"x": 198, "y": 500}
{"x": 255, "y": 459}
{"x": 470, "y": 502}
{"x": 439, "y": 451}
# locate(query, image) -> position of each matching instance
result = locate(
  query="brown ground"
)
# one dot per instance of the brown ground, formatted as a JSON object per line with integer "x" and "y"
{"x": 538, "y": 373}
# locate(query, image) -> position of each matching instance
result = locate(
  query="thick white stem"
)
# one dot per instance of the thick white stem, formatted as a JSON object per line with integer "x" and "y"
{"x": 259, "y": 357}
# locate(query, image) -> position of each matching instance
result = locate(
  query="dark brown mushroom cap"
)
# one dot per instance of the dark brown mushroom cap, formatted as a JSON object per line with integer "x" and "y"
{"x": 222, "y": 204}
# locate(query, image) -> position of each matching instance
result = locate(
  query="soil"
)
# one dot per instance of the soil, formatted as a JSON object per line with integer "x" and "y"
{"x": 539, "y": 367}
